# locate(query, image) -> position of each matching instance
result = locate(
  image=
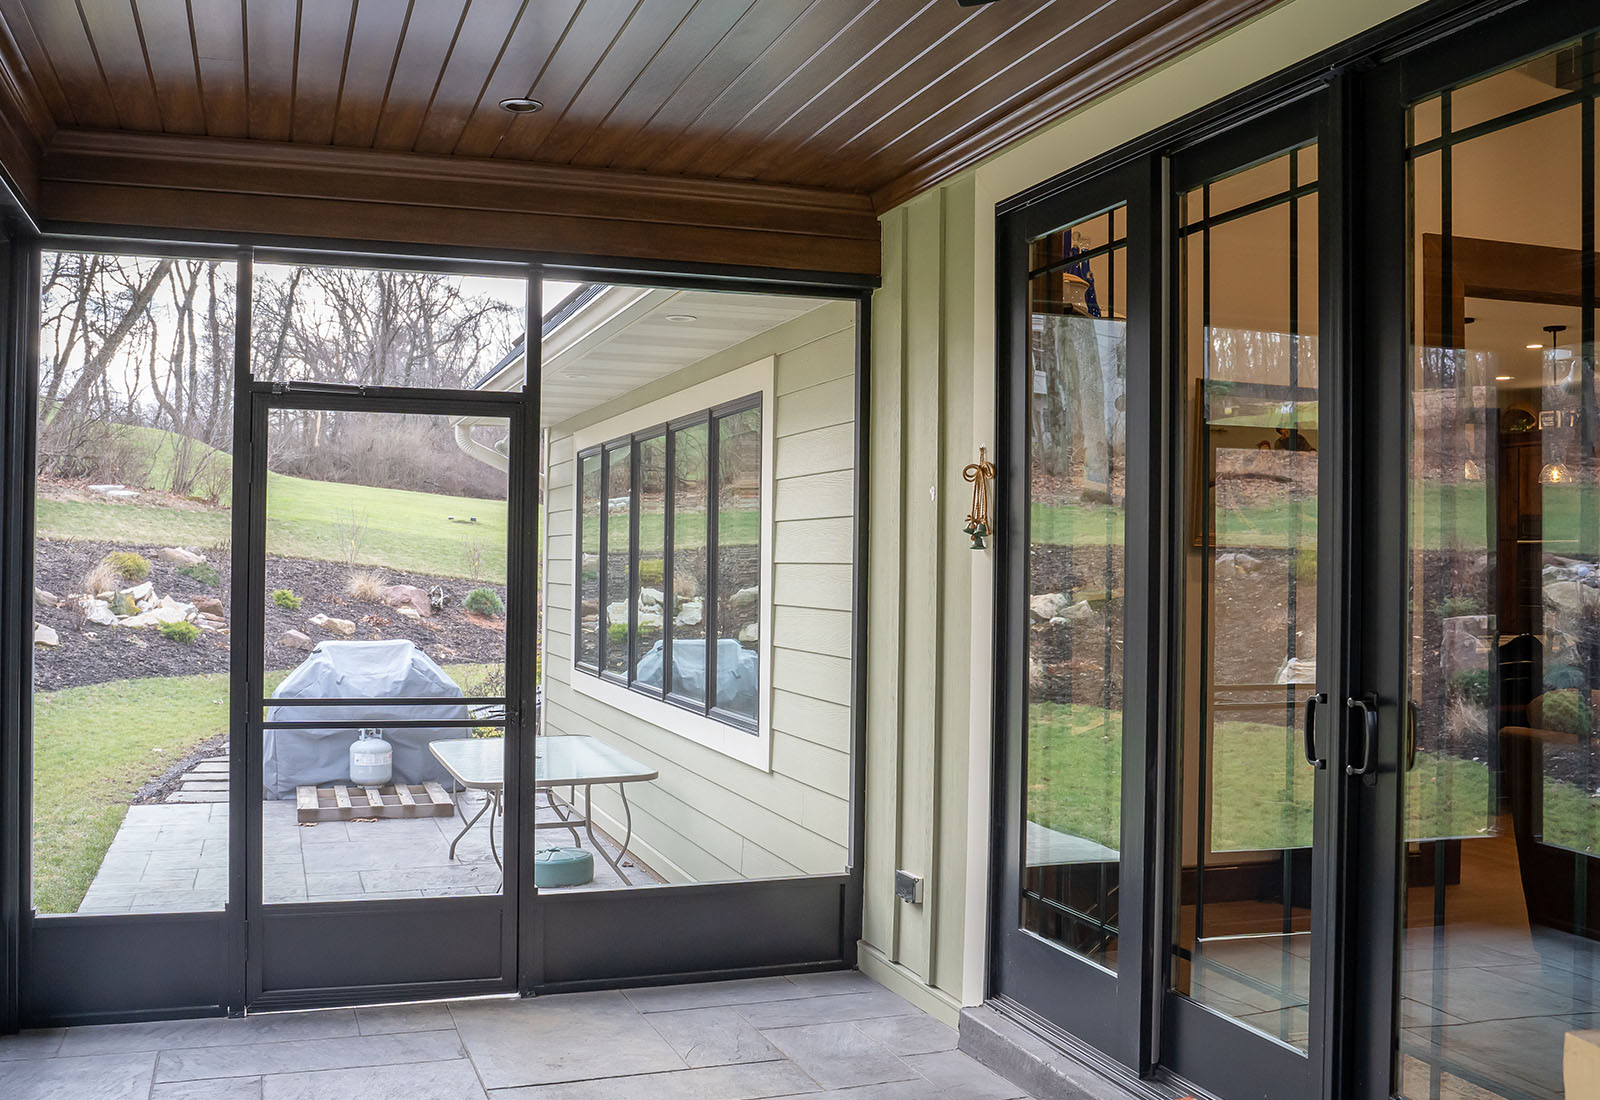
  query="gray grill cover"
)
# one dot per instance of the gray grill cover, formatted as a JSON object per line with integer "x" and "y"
{"x": 359, "y": 670}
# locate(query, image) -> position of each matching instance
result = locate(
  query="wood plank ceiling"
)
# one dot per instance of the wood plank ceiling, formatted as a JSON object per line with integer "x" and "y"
{"x": 878, "y": 98}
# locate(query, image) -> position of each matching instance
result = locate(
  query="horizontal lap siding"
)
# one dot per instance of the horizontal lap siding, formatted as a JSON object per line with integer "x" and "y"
{"x": 710, "y": 817}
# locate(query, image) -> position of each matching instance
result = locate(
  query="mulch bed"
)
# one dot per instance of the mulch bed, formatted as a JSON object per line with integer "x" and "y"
{"x": 98, "y": 655}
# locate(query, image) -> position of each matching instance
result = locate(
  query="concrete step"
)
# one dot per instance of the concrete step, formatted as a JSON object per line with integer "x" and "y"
{"x": 198, "y": 796}
{"x": 1041, "y": 1068}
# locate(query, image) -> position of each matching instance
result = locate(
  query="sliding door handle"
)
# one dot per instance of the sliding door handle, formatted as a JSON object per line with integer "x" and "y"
{"x": 1312, "y": 701}
{"x": 1411, "y": 735}
{"x": 1368, "y": 706}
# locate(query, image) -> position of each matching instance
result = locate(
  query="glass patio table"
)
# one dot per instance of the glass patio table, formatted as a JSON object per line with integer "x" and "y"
{"x": 564, "y": 761}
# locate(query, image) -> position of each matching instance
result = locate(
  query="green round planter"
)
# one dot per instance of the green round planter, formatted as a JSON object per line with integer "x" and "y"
{"x": 562, "y": 867}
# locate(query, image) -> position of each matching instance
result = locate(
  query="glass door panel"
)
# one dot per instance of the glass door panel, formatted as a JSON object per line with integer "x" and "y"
{"x": 1246, "y": 796}
{"x": 1502, "y": 891}
{"x": 384, "y": 619}
{"x": 1078, "y": 486}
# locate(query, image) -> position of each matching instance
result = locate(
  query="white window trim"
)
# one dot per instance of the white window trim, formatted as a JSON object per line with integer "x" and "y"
{"x": 753, "y": 749}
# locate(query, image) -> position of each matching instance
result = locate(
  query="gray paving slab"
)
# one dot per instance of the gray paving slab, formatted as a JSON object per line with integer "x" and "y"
{"x": 668, "y": 998}
{"x": 713, "y": 1037}
{"x": 904, "y": 1035}
{"x": 41, "y": 1043}
{"x": 99, "y": 1077}
{"x": 227, "y": 1088}
{"x": 272, "y": 1027}
{"x": 816, "y": 1010}
{"x": 552, "y": 1039}
{"x": 955, "y": 1076}
{"x": 743, "y": 1082}
{"x": 306, "y": 1055}
{"x": 451, "y": 1080}
{"x": 837, "y": 1055}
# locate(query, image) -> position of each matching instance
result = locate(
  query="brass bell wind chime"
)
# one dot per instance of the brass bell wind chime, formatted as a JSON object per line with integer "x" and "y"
{"x": 980, "y": 473}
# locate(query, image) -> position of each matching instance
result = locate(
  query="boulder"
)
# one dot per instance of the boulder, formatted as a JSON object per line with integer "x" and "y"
{"x": 749, "y": 633}
{"x": 743, "y": 602}
{"x": 97, "y": 611}
{"x": 43, "y": 635}
{"x": 170, "y": 604}
{"x": 690, "y": 614}
{"x": 650, "y": 597}
{"x": 179, "y": 556}
{"x": 154, "y": 617}
{"x": 617, "y": 612}
{"x": 293, "y": 639}
{"x": 650, "y": 618}
{"x": 210, "y": 605}
{"x": 408, "y": 595}
{"x": 140, "y": 593}
{"x": 1238, "y": 563}
{"x": 410, "y": 613}
{"x": 335, "y": 626}
{"x": 44, "y": 599}
{"x": 1047, "y": 606}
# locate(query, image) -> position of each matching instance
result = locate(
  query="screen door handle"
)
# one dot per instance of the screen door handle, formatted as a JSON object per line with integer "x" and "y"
{"x": 1411, "y": 735}
{"x": 1368, "y": 706}
{"x": 1311, "y": 729}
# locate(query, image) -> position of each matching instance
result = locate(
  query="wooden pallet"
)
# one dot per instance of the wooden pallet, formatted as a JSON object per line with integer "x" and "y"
{"x": 342, "y": 802}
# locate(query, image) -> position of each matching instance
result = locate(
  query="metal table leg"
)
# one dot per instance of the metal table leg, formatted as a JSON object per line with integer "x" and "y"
{"x": 550, "y": 797}
{"x": 487, "y": 802}
{"x": 588, "y": 823}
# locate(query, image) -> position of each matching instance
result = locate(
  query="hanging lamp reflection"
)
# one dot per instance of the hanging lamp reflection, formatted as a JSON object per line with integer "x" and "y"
{"x": 1471, "y": 471}
{"x": 1554, "y": 473}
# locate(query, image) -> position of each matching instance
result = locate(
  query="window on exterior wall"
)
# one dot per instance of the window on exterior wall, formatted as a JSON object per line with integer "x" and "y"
{"x": 671, "y": 561}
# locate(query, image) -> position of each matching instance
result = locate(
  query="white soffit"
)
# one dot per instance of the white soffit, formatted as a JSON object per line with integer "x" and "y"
{"x": 630, "y": 336}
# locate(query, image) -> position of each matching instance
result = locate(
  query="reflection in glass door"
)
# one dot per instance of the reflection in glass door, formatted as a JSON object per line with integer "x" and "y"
{"x": 1245, "y": 794}
{"x": 1498, "y": 958}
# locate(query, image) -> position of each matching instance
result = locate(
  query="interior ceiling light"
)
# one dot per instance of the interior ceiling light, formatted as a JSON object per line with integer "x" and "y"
{"x": 521, "y": 105}
{"x": 682, "y": 318}
{"x": 1534, "y": 347}
{"x": 1502, "y": 378}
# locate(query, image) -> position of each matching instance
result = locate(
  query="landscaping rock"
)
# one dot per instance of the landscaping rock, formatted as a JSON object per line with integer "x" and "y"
{"x": 210, "y": 605}
{"x": 408, "y": 595}
{"x": 650, "y": 597}
{"x": 1239, "y": 563}
{"x": 1047, "y": 606}
{"x": 336, "y": 626}
{"x": 170, "y": 604}
{"x": 749, "y": 634}
{"x": 293, "y": 639}
{"x": 43, "y": 635}
{"x": 690, "y": 614}
{"x": 650, "y": 618}
{"x": 97, "y": 612}
{"x": 617, "y": 612}
{"x": 179, "y": 556}
{"x": 139, "y": 593}
{"x": 155, "y": 617}
{"x": 409, "y": 613}
{"x": 44, "y": 599}
{"x": 743, "y": 602}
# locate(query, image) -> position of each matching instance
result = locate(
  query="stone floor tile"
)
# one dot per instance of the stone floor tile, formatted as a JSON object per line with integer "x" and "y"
{"x": 713, "y": 1037}
{"x": 226, "y": 1088}
{"x": 954, "y": 1076}
{"x": 42, "y": 1043}
{"x": 272, "y": 1027}
{"x": 99, "y": 1077}
{"x": 838, "y": 1055}
{"x": 391, "y": 1019}
{"x": 910, "y": 1034}
{"x": 452, "y": 1080}
{"x": 306, "y": 1055}
{"x": 752, "y": 1081}
{"x": 570, "y": 1037}
{"x": 828, "y": 982}
{"x": 667, "y": 998}
{"x": 821, "y": 1010}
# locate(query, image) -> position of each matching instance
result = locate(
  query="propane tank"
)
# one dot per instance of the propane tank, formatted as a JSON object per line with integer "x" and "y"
{"x": 371, "y": 760}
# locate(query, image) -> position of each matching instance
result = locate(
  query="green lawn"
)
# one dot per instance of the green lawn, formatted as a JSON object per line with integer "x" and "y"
{"x": 407, "y": 531}
{"x": 1259, "y": 787}
{"x": 739, "y": 528}
{"x": 95, "y": 746}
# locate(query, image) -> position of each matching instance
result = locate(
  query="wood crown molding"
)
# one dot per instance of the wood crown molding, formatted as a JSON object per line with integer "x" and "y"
{"x": 1119, "y": 62}
{"x": 25, "y": 120}
{"x": 253, "y": 187}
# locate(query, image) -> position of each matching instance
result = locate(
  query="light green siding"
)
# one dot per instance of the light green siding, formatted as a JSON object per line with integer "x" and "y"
{"x": 710, "y": 817}
{"x": 930, "y": 627}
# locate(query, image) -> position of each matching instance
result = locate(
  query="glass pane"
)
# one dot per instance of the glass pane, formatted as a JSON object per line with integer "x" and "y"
{"x": 1084, "y": 236}
{"x": 1245, "y": 801}
{"x": 689, "y": 506}
{"x": 618, "y": 567}
{"x": 1252, "y": 185}
{"x": 131, "y": 585}
{"x": 738, "y": 613}
{"x": 356, "y": 326}
{"x": 652, "y": 555}
{"x": 589, "y": 490}
{"x": 1501, "y": 836}
{"x": 385, "y": 580}
{"x": 1528, "y": 84}
{"x": 1077, "y": 487}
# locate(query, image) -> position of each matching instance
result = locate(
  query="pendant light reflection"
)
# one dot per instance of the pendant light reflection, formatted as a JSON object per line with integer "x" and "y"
{"x": 1554, "y": 473}
{"x": 1472, "y": 471}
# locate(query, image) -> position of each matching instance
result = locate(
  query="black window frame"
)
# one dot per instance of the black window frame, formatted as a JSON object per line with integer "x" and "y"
{"x": 668, "y": 432}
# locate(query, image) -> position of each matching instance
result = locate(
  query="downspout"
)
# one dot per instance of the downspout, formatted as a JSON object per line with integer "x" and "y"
{"x": 492, "y": 456}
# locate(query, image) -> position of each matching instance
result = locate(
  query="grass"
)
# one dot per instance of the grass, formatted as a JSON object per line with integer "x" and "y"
{"x": 1258, "y": 786}
{"x": 737, "y": 528}
{"x": 95, "y": 746}
{"x": 405, "y": 530}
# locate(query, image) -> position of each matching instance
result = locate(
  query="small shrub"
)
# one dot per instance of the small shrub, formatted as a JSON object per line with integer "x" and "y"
{"x": 1561, "y": 677}
{"x": 1452, "y": 607}
{"x": 187, "y": 633}
{"x": 101, "y": 578}
{"x": 651, "y": 573}
{"x": 366, "y": 587}
{"x": 1566, "y": 711}
{"x": 122, "y": 604}
{"x": 1471, "y": 686}
{"x": 618, "y": 633}
{"x": 201, "y": 572}
{"x": 483, "y": 601}
{"x": 130, "y": 567}
{"x": 286, "y": 599}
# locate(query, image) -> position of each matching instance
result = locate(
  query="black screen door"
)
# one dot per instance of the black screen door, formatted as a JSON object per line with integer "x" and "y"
{"x": 382, "y": 750}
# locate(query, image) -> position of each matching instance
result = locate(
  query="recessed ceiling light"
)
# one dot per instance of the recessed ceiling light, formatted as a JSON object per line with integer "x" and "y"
{"x": 578, "y": 377}
{"x": 521, "y": 105}
{"x": 1502, "y": 378}
{"x": 682, "y": 318}
{"x": 1534, "y": 347}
